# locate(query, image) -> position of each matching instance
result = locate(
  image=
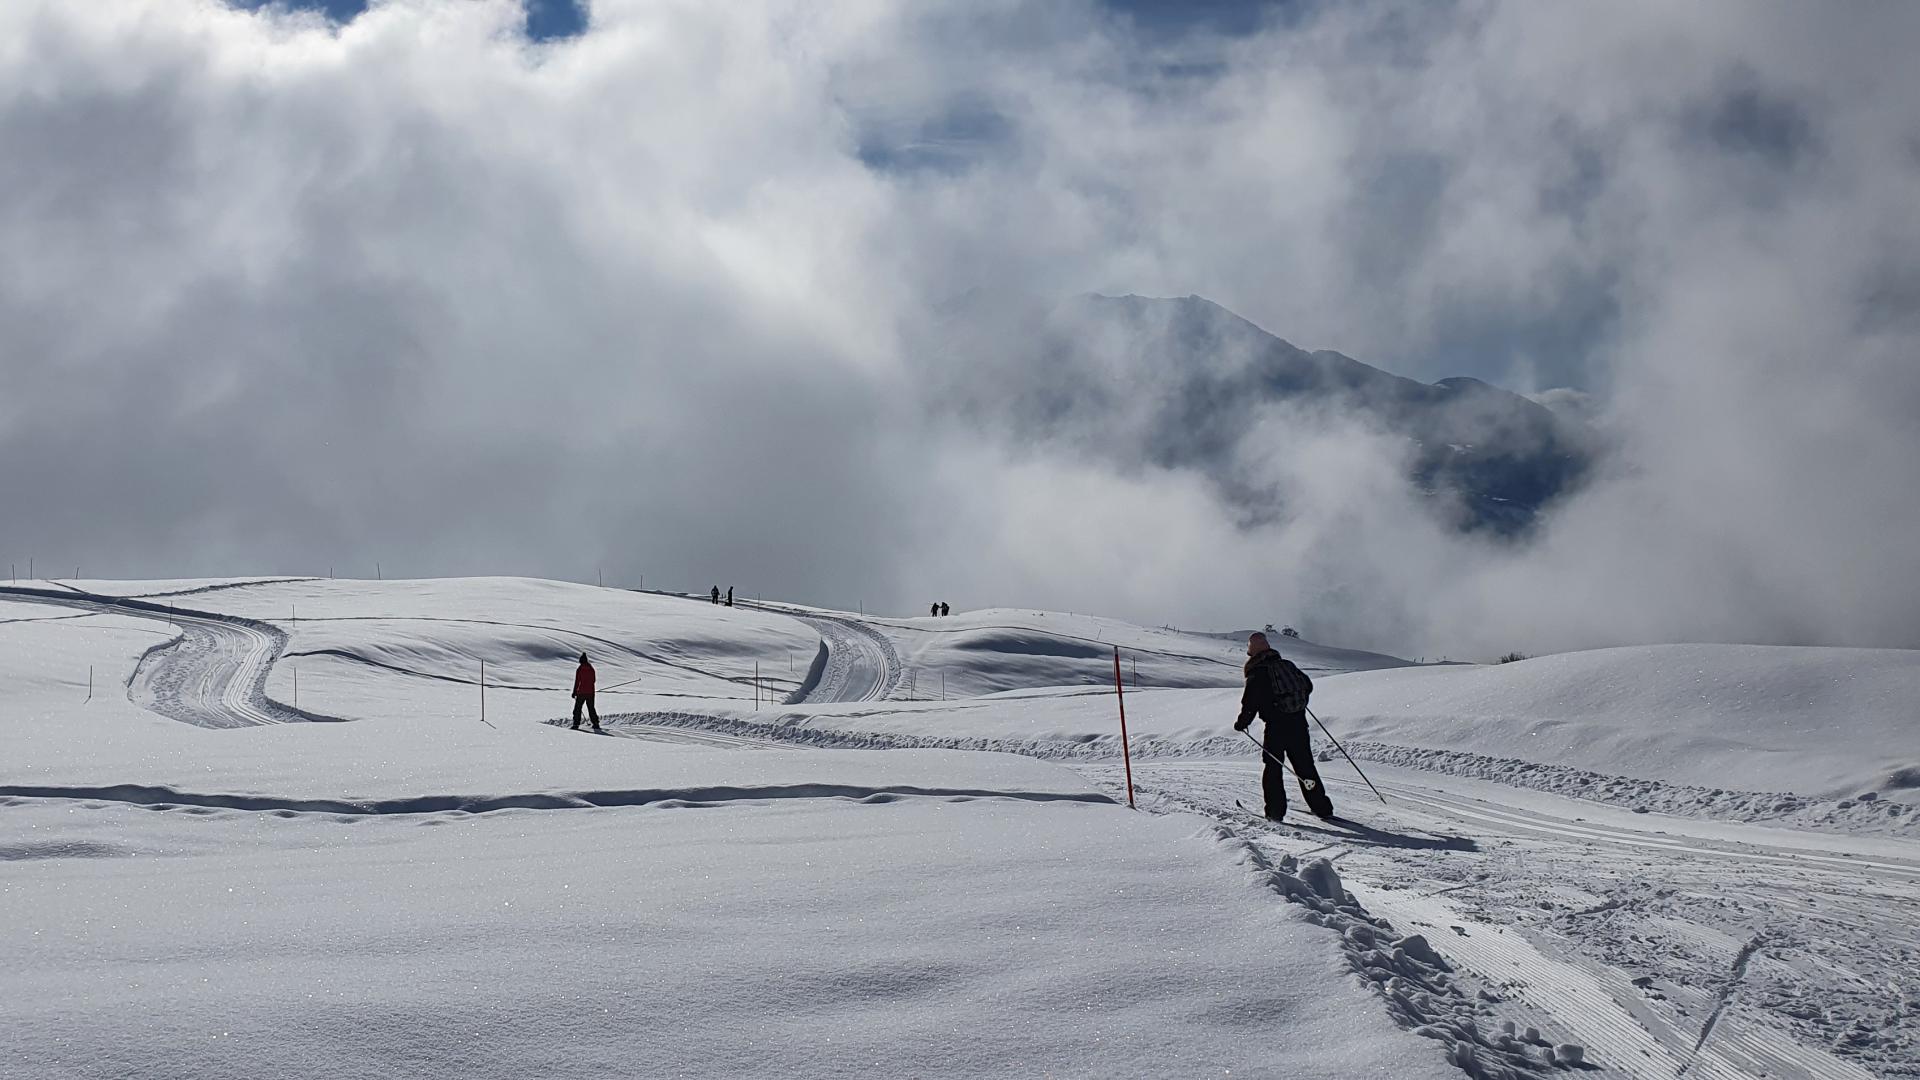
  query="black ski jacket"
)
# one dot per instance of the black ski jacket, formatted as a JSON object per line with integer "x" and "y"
{"x": 1274, "y": 686}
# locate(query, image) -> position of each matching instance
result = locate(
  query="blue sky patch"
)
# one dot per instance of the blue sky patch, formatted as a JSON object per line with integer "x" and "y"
{"x": 546, "y": 19}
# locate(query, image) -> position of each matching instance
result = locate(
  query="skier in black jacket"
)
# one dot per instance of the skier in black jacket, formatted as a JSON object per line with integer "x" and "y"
{"x": 1277, "y": 692}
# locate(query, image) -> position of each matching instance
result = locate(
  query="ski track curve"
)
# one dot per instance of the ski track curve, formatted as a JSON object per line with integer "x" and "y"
{"x": 857, "y": 663}
{"x": 211, "y": 674}
{"x": 862, "y": 665}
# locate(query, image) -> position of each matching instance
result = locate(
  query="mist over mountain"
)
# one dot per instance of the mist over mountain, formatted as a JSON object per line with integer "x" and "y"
{"x": 1184, "y": 384}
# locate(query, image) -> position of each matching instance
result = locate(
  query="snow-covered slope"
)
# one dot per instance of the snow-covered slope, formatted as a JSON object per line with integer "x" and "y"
{"x": 419, "y": 892}
{"x": 1828, "y": 722}
{"x": 996, "y": 649}
{"x": 419, "y": 888}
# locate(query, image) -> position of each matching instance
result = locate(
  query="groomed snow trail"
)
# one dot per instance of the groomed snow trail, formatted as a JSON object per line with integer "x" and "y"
{"x": 1665, "y": 953}
{"x": 213, "y": 674}
{"x": 861, "y": 663}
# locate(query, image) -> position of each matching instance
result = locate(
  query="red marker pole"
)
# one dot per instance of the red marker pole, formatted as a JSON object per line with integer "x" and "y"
{"x": 1120, "y": 695}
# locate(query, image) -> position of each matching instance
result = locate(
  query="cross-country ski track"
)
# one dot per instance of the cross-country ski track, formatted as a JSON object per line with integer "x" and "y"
{"x": 857, "y": 663}
{"x": 1670, "y": 947}
{"x": 860, "y": 663}
{"x": 211, "y": 673}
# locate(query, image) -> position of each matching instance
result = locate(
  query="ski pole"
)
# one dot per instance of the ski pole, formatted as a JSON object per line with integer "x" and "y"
{"x": 1305, "y": 785}
{"x": 1349, "y": 757}
{"x": 1267, "y": 752}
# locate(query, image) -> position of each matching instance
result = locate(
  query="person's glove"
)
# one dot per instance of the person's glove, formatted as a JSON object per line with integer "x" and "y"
{"x": 1243, "y": 723}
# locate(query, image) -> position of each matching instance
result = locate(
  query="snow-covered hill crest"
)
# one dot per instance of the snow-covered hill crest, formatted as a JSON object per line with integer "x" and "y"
{"x": 1826, "y": 722}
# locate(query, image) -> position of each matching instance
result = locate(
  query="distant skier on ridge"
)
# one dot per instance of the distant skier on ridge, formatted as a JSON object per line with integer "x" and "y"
{"x": 716, "y": 594}
{"x": 583, "y": 694}
{"x": 1277, "y": 692}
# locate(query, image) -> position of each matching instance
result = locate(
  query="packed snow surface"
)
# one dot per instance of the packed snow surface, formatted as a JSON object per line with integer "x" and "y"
{"x": 421, "y": 891}
{"x": 788, "y": 855}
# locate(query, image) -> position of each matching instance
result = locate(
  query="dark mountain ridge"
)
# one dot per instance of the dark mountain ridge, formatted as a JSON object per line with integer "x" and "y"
{"x": 1178, "y": 383}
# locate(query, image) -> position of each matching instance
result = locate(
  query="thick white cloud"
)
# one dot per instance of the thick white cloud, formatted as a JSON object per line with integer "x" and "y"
{"x": 658, "y": 299}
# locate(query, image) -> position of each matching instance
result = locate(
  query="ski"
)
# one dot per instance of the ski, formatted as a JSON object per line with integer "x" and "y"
{"x": 1292, "y": 824}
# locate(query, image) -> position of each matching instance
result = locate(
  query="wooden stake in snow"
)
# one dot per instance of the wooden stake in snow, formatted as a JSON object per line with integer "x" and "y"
{"x": 483, "y": 692}
{"x": 756, "y": 686}
{"x": 1120, "y": 695}
{"x": 89, "y": 683}
{"x": 296, "y": 686}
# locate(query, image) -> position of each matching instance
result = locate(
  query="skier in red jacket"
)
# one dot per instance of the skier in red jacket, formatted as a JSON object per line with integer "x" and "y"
{"x": 583, "y": 694}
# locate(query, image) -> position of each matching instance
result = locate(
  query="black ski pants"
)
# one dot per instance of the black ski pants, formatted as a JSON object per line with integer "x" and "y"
{"x": 1287, "y": 738}
{"x": 587, "y": 700}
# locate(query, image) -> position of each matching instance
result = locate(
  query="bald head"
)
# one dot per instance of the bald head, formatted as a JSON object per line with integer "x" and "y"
{"x": 1257, "y": 643}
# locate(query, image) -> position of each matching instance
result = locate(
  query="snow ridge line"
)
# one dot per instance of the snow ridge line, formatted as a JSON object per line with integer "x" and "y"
{"x": 794, "y": 728}
{"x": 672, "y": 798}
{"x": 221, "y": 587}
{"x": 1680, "y": 800}
{"x": 811, "y": 682}
{"x": 464, "y": 680}
{"x": 1720, "y": 1003}
{"x": 557, "y": 631}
